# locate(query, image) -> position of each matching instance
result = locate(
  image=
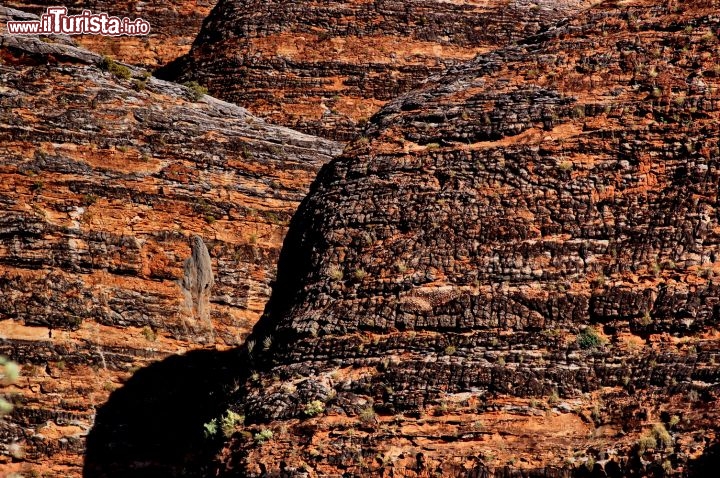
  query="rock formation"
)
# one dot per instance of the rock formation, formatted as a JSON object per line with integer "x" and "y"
{"x": 515, "y": 272}
{"x": 106, "y": 174}
{"x": 174, "y": 27}
{"x": 198, "y": 279}
{"x": 326, "y": 67}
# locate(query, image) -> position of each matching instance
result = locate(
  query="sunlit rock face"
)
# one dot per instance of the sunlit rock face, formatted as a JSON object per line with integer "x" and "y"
{"x": 515, "y": 271}
{"x": 326, "y": 67}
{"x": 104, "y": 181}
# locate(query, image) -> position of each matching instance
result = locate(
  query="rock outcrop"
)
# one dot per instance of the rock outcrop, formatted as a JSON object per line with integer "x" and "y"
{"x": 174, "y": 27}
{"x": 106, "y": 175}
{"x": 515, "y": 272}
{"x": 198, "y": 278}
{"x": 326, "y": 67}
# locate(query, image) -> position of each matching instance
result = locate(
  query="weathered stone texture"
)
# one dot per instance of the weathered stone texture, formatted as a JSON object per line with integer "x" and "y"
{"x": 104, "y": 180}
{"x": 326, "y": 67}
{"x": 438, "y": 286}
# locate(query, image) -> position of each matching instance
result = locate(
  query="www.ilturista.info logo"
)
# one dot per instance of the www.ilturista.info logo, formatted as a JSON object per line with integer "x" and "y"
{"x": 56, "y": 21}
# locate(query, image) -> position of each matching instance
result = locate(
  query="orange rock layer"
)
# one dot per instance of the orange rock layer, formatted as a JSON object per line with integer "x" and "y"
{"x": 515, "y": 273}
{"x": 104, "y": 179}
{"x": 326, "y": 67}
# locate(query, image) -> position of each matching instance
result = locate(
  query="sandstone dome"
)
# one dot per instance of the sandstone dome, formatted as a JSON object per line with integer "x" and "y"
{"x": 514, "y": 270}
{"x": 325, "y": 67}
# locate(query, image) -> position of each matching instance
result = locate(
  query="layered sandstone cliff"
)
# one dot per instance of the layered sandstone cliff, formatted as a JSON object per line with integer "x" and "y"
{"x": 174, "y": 26}
{"x": 138, "y": 219}
{"x": 326, "y": 67}
{"x": 515, "y": 272}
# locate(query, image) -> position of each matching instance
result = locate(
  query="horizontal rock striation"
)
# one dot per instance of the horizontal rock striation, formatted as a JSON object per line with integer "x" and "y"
{"x": 516, "y": 272}
{"x": 326, "y": 67}
{"x": 106, "y": 175}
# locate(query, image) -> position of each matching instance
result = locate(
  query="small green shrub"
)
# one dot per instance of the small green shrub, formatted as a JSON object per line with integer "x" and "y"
{"x": 149, "y": 334}
{"x": 661, "y": 435}
{"x": 316, "y": 407}
{"x": 9, "y": 373}
{"x": 553, "y": 399}
{"x": 589, "y": 339}
{"x": 120, "y": 71}
{"x": 263, "y": 436}
{"x": 335, "y": 274}
{"x": 450, "y": 350}
{"x": 367, "y": 416}
{"x": 674, "y": 420}
{"x": 89, "y": 199}
{"x": 658, "y": 436}
{"x": 565, "y": 165}
{"x": 197, "y": 91}
{"x": 360, "y": 274}
{"x": 646, "y": 442}
{"x": 230, "y": 421}
{"x": 210, "y": 428}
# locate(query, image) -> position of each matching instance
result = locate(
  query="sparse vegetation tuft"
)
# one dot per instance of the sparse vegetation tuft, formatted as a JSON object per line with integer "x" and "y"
{"x": 565, "y": 165}
{"x": 360, "y": 274}
{"x": 120, "y": 71}
{"x": 149, "y": 334}
{"x": 197, "y": 91}
{"x": 335, "y": 274}
{"x": 263, "y": 436}
{"x": 367, "y": 416}
{"x": 589, "y": 339}
{"x": 316, "y": 407}
{"x": 210, "y": 428}
{"x": 9, "y": 373}
{"x": 230, "y": 421}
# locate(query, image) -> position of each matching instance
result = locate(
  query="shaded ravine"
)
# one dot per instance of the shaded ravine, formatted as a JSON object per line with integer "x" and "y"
{"x": 153, "y": 425}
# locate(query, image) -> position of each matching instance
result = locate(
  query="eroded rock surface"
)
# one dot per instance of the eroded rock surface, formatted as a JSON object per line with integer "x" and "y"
{"x": 198, "y": 278}
{"x": 326, "y": 67}
{"x": 516, "y": 272}
{"x": 104, "y": 181}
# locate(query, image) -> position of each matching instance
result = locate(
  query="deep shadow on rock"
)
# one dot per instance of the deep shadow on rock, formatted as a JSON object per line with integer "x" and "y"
{"x": 153, "y": 425}
{"x": 706, "y": 464}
